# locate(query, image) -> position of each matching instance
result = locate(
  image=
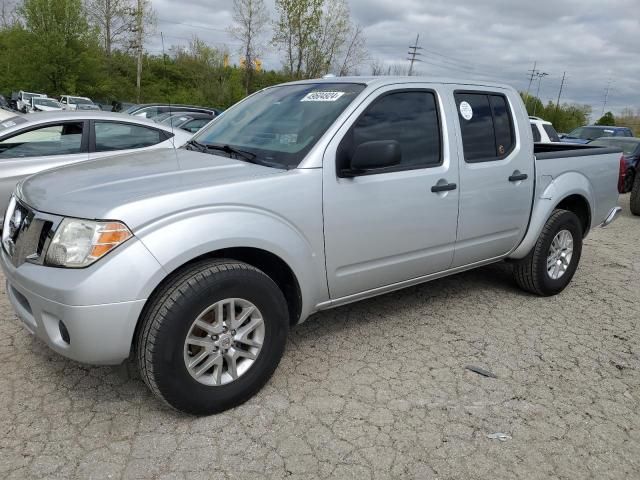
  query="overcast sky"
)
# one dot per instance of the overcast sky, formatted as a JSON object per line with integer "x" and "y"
{"x": 594, "y": 41}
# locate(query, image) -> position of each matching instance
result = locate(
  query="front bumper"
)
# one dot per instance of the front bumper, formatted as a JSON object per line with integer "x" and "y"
{"x": 88, "y": 315}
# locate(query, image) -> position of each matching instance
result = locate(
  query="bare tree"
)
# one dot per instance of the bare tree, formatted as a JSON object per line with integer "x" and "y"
{"x": 250, "y": 18}
{"x": 114, "y": 19}
{"x": 7, "y": 13}
{"x": 296, "y": 31}
{"x": 318, "y": 36}
{"x": 355, "y": 53}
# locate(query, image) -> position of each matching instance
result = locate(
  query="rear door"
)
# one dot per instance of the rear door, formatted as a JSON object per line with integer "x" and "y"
{"x": 387, "y": 226}
{"x": 496, "y": 175}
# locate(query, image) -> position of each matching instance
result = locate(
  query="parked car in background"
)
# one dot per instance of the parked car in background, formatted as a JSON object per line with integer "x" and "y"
{"x": 300, "y": 198}
{"x": 151, "y": 110}
{"x": 22, "y": 100}
{"x": 44, "y": 104}
{"x": 543, "y": 131}
{"x": 631, "y": 152}
{"x": 190, "y": 122}
{"x": 584, "y": 135}
{"x": 45, "y": 140}
{"x": 71, "y": 102}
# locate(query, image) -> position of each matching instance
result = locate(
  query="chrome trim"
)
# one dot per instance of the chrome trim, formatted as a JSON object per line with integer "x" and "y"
{"x": 24, "y": 242}
{"x": 613, "y": 214}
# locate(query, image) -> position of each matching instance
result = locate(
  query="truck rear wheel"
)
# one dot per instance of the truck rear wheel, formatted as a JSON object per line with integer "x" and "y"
{"x": 552, "y": 262}
{"x": 634, "y": 201}
{"x": 212, "y": 336}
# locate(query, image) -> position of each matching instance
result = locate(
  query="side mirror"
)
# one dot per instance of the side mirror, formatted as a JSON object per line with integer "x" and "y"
{"x": 375, "y": 155}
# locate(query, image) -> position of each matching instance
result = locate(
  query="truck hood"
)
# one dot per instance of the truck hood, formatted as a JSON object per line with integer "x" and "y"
{"x": 137, "y": 188}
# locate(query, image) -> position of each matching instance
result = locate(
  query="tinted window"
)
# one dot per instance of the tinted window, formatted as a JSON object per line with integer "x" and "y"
{"x": 60, "y": 139}
{"x": 487, "y": 130}
{"x": 124, "y": 136}
{"x": 553, "y": 135}
{"x": 536, "y": 133}
{"x": 410, "y": 118}
{"x": 195, "y": 125}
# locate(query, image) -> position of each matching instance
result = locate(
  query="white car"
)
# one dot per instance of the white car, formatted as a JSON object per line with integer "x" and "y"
{"x": 543, "y": 131}
{"x": 71, "y": 102}
{"x": 40, "y": 141}
{"x": 23, "y": 100}
{"x": 44, "y": 104}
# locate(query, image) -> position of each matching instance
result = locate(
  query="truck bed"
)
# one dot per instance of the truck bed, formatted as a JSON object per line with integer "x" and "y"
{"x": 544, "y": 151}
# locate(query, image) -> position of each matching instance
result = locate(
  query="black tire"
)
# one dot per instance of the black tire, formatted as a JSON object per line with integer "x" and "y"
{"x": 634, "y": 201}
{"x": 167, "y": 318}
{"x": 531, "y": 272}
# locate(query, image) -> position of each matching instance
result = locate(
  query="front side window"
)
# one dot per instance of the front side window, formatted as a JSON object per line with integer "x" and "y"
{"x": 59, "y": 139}
{"x": 410, "y": 118}
{"x": 279, "y": 126}
{"x": 112, "y": 136}
{"x": 486, "y": 126}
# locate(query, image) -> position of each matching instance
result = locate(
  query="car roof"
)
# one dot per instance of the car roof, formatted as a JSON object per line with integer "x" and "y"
{"x": 607, "y": 127}
{"x": 392, "y": 80}
{"x": 179, "y": 105}
{"x": 45, "y": 117}
{"x": 539, "y": 120}
{"x": 618, "y": 139}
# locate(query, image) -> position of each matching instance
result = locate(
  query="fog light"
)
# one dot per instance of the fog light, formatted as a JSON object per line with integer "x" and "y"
{"x": 64, "y": 333}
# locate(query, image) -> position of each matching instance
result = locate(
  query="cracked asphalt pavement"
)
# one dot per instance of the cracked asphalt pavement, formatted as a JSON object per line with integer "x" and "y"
{"x": 373, "y": 390}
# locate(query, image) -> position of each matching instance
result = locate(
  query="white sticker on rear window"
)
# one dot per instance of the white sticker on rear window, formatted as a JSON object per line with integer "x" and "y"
{"x": 322, "y": 96}
{"x": 466, "y": 111}
{"x": 9, "y": 124}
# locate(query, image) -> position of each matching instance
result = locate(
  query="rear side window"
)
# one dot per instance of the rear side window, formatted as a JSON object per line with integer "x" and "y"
{"x": 553, "y": 135}
{"x": 486, "y": 126}
{"x": 410, "y": 118}
{"x": 536, "y": 133}
{"x": 112, "y": 136}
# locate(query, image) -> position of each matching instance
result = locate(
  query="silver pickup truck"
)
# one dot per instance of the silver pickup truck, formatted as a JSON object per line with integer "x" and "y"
{"x": 302, "y": 197}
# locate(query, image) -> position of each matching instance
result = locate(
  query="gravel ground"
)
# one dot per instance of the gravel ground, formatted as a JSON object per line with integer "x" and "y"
{"x": 376, "y": 389}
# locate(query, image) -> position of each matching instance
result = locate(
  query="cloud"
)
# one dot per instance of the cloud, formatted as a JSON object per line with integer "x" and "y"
{"x": 594, "y": 42}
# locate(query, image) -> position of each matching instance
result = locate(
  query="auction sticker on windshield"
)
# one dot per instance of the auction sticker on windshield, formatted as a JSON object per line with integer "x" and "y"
{"x": 466, "y": 111}
{"x": 322, "y": 96}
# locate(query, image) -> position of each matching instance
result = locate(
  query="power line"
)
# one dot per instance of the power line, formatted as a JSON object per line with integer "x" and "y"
{"x": 413, "y": 53}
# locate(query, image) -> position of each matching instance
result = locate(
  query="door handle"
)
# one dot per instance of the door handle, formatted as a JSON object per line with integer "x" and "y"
{"x": 518, "y": 177}
{"x": 444, "y": 187}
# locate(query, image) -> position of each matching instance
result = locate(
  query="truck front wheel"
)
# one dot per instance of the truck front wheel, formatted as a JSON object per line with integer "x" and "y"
{"x": 212, "y": 336}
{"x": 552, "y": 262}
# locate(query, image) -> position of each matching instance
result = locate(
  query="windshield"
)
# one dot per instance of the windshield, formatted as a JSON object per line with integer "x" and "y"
{"x": 132, "y": 109}
{"x": 47, "y": 102}
{"x": 280, "y": 125}
{"x": 176, "y": 120}
{"x": 590, "y": 133}
{"x": 628, "y": 146}
{"x": 28, "y": 96}
{"x": 80, "y": 101}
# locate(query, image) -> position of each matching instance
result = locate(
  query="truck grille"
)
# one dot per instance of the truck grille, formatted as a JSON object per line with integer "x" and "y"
{"x": 26, "y": 234}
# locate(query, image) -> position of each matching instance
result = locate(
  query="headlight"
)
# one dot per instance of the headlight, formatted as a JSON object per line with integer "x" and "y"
{"x": 79, "y": 243}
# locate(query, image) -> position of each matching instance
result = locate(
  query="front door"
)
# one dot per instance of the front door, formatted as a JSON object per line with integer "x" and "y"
{"x": 385, "y": 226}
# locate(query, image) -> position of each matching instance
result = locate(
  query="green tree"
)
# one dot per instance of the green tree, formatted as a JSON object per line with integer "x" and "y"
{"x": 63, "y": 53}
{"x": 607, "y": 119}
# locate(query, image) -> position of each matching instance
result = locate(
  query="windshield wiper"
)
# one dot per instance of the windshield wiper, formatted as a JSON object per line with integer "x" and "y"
{"x": 200, "y": 147}
{"x": 248, "y": 156}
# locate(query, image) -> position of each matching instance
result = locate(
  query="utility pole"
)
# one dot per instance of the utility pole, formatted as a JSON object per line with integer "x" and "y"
{"x": 540, "y": 76}
{"x": 606, "y": 96}
{"x": 413, "y": 53}
{"x": 533, "y": 74}
{"x": 559, "y": 94}
{"x": 139, "y": 13}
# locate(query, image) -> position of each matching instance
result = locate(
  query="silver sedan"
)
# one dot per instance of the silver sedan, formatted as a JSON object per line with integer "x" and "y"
{"x": 46, "y": 140}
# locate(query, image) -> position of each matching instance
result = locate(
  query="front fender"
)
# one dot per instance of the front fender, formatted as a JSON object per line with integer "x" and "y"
{"x": 180, "y": 238}
{"x": 549, "y": 193}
